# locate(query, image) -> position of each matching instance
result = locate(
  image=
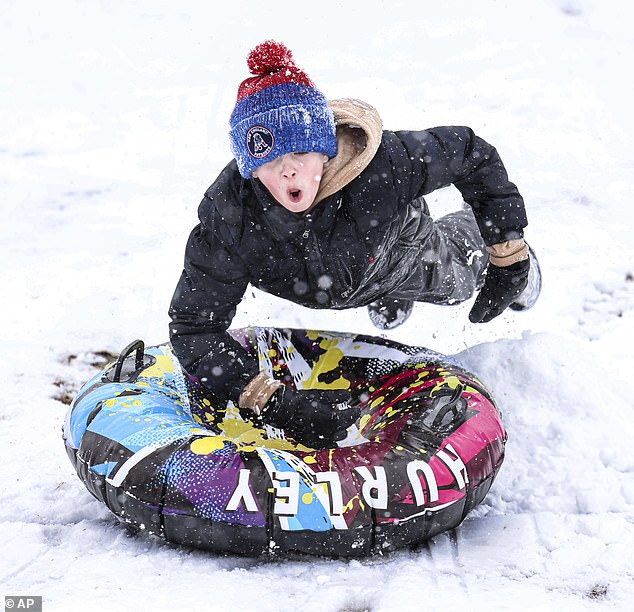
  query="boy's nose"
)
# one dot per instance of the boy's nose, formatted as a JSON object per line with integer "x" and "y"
{"x": 288, "y": 167}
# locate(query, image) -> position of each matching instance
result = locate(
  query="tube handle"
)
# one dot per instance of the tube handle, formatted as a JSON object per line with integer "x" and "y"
{"x": 136, "y": 345}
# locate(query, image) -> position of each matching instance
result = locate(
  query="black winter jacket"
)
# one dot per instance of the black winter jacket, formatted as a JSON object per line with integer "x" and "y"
{"x": 352, "y": 248}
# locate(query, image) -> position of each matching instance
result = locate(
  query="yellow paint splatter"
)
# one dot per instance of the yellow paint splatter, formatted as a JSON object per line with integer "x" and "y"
{"x": 363, "y": 421}
{"x": 209, "y": 444}
{"x": 163, "y": 365}
{"x": 309, "y": 459}
{"x": 246, "y": 437}
{"x": 350, "y": 504}
{"x": 307, "y": 498}
{"x": 327, "y": 362}
{"x": 379, "y": 400}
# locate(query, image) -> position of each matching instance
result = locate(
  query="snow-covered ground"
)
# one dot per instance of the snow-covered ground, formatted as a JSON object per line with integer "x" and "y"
{"x": 113, "y": 121}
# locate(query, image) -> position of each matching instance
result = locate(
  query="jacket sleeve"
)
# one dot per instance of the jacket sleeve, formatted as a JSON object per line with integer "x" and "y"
{"x": 445, "y": 156}
{"x": 211, "y": 286}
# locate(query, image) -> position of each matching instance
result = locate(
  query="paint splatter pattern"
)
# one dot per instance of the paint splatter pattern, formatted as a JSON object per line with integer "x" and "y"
{"x": 165, "y": 455}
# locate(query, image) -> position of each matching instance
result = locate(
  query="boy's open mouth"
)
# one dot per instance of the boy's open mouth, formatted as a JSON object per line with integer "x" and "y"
{"x": 295, "y": 195}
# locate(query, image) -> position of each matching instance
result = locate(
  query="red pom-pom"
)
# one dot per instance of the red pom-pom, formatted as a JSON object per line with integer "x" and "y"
{"x": 269, "y": 57}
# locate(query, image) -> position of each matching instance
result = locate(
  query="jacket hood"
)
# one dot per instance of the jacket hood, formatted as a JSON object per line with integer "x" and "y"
{"x": 359, "y": 130}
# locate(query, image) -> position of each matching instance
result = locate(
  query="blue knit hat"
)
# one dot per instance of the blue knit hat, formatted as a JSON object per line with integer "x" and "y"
{"x": 278, "y": 111}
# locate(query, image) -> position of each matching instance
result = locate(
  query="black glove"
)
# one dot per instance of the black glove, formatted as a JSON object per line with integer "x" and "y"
{"x": 501, "y": 287}
{"x": 316, "y": 418}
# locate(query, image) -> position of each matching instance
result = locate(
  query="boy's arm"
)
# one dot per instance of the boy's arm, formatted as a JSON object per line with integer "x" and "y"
{"x": 445, "y": 156}
{"x": 455, "y": 155}
{"x": 211, "y": 286}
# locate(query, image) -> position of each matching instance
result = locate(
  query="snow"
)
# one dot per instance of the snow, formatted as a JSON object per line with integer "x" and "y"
{"x": 113, "y": 121}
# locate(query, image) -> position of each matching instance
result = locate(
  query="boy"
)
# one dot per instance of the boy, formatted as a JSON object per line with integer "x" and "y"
{"x": 324, "y": 208}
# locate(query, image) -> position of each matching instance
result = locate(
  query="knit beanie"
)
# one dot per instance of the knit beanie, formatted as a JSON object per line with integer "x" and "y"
{"x": 278, "y": 111}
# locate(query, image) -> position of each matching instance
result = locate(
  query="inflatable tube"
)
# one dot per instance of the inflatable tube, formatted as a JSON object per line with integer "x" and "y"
{"x": 163, "y": 455}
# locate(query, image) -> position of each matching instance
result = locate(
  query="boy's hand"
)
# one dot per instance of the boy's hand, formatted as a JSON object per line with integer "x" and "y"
{"x": 316, "y": 418}
{"x": 501, "y": 287}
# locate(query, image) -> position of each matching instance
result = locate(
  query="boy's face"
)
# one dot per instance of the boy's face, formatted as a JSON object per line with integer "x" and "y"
{"x": 293, "y": 179}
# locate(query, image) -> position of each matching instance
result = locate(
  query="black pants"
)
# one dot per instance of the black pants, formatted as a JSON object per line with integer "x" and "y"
{"x": 451, "y": 261}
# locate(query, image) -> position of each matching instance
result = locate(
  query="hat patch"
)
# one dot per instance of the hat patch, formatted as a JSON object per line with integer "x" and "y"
{"x": 260, "y": 141}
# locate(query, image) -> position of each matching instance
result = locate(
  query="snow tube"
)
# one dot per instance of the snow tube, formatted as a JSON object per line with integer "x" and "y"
{"x": 164, "y": 455}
